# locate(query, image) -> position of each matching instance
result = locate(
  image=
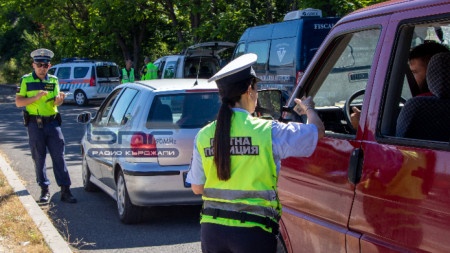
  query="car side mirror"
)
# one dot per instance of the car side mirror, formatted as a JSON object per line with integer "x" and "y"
{"x": 84, "y": 117}
{"x": 269, "y": 104}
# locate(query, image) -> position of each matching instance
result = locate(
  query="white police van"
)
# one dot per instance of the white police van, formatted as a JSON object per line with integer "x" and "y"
{"x": 86, "y": 79}
{"x": 284, "y": 49}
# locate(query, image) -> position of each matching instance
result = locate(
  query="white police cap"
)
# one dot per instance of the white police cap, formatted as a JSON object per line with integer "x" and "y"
{"x": 239, "y": 69}
{"x": 42, "y": 55}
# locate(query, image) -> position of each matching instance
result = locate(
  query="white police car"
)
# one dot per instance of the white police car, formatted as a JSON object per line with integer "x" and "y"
{"x": 86, "y": 79}
{"x": 138, "y": 146}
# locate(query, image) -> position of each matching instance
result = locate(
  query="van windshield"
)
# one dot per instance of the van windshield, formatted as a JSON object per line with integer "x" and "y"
{"x": 107, "y": 71}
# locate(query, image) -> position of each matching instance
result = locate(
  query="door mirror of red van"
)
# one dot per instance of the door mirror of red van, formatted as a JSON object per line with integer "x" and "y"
{"x": 270, "y": 103}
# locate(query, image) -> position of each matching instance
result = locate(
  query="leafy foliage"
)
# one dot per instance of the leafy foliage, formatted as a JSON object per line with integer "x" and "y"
{"x": 117, "y": 30}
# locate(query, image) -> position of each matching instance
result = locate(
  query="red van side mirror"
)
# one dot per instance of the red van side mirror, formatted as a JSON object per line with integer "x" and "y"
{"x": 270, "y": 103}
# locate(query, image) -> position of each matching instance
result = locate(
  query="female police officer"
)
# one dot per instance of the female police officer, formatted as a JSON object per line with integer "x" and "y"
{"x": 236, "y": 162}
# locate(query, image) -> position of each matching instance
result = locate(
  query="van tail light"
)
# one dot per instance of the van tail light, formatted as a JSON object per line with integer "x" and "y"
{"x": 92, "y": 82}
{"x": 143, "y": 145}
{"x": 299, "y": 78}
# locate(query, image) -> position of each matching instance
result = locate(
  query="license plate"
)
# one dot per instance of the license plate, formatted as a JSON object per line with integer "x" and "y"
{"x": 186, "y": 184}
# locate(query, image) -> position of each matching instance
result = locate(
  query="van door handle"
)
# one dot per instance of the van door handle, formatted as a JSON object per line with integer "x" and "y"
{"x": 355, "y": 166}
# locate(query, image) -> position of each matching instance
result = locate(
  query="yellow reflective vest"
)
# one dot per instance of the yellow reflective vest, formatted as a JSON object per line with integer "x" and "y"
{"x": 252, "y": 187}
{"x": 30, "y": 85}
{"x": 127, "y": 78}
{"x": 151, "y": 73}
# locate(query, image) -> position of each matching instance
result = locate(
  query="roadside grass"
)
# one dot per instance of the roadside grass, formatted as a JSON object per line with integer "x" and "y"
{"x": 18, "y": 233}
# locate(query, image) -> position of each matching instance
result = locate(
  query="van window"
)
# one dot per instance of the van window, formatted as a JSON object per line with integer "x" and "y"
{"x": 80, "y": 72}
{"x": 107, "y": 71}
{"x": 193, "y": 110}
{"x": 122, "y": 105}
{"x": 346, "y": 72}
{"x": 240, "y": 50}
{"x": 282, "y": 53}
{"x": 169, "y": 71}
{"x": 63, "y": 73}
{"x": 261, "y": 49}
{"x": 408, "y": 111}
{"x": 206, "y": 67}
{"x": 52, "y": 71}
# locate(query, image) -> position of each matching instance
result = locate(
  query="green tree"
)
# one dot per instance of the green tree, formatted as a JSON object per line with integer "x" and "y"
{"x": 116, "y": 30}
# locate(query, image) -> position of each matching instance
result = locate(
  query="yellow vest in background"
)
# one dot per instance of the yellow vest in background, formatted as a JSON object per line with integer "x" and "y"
{"x": 127, "y": 78}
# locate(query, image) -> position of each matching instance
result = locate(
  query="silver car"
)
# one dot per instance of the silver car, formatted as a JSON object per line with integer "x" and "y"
{"x": 138, "y": 147}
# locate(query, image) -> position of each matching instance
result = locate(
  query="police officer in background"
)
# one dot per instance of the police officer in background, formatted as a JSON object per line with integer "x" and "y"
{"x": 39, "y": 92}
{"x": 144, "y": 68}
{"x": 236, "y": 161}
{"x": 127, "y": 75}
{"x": 151, "y": 71}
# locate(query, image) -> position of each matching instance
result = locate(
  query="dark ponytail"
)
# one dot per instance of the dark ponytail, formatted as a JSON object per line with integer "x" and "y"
{"x": 230, "y": 94}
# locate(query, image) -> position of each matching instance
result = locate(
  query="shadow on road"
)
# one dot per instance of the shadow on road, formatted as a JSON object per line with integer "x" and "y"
{"x": 97, "y": 222}
{"x": 92, "y": 223}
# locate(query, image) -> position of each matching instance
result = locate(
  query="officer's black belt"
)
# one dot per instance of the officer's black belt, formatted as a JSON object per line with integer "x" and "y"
{"x": 45, "y": 119}
{"x": 243, "y": 217}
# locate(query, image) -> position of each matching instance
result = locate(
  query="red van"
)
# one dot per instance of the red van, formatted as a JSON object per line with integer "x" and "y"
{"x": 367, "y": 189}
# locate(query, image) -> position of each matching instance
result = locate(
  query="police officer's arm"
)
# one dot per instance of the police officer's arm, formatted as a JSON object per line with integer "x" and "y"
{"x": 197, "y": 189}
{"x": 24, "y": 101}
{"x": 196, "y": 176}
{"x": 306, "y": 106}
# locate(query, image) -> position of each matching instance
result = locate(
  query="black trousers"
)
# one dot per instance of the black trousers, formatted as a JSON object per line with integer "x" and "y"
{"x": 219, "y": 238}
{"x": 49, "y": 137}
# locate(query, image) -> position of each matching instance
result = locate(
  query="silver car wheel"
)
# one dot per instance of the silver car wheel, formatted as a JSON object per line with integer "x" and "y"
{"x": 121, "y": 195}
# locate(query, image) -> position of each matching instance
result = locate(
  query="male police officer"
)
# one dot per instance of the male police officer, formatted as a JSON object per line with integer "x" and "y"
{"x": 151, "y": 72}
{"x": 127, "y": 72}
{"x": 39, "y": 92}
{"x": 144, "y": 68}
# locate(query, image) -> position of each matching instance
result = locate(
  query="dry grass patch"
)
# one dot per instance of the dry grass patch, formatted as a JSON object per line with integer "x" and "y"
{"x": 18, "y": 233}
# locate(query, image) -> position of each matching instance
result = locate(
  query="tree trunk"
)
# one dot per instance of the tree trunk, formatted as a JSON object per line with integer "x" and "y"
{"x": 328, "y": 10}
{"x": 269, "y": 12}
{"x": 123, "y": 46}
{"x": 168, "y": 4}
{"x": 137, "y": 42}
{"x": 195, "y": 17}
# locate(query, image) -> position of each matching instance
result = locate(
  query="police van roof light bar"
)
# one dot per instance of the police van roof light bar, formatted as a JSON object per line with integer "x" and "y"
{"x": 306, "y": 13}
{"x": 73, "y": 59}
